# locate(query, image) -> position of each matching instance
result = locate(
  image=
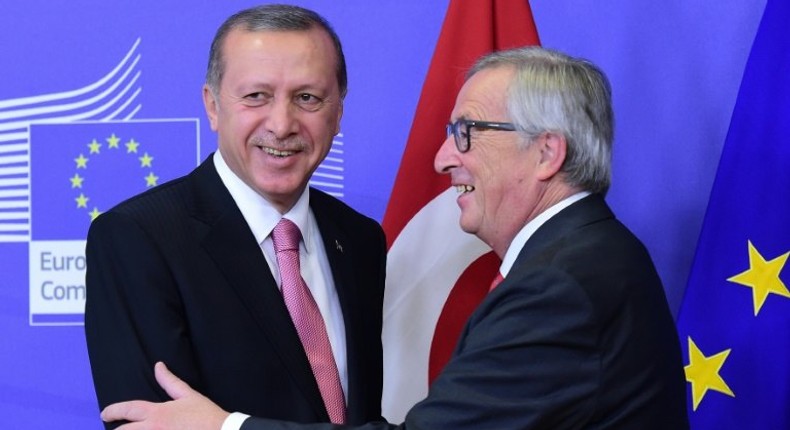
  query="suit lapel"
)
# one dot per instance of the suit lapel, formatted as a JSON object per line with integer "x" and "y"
{"x": 339, "y": 248}
{"x": 230, "y": 243}
{"x": 335, "y": 242}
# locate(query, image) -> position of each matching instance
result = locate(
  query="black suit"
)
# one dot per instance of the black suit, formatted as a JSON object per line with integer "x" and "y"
{"x": 176, "y": 275}
{"x": 577, "y": 336}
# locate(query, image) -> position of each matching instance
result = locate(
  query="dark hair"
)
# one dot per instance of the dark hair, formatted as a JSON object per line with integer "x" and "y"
{"x": 274, "y": 17}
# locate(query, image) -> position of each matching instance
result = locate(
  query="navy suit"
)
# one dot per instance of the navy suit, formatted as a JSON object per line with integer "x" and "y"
{"x": 578, "y": 336}
{"x": 176, "y": 275}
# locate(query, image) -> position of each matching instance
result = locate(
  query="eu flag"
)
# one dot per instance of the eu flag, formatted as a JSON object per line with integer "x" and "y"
{"x": 735, "y": 319}
{"x": 80, "y": 169}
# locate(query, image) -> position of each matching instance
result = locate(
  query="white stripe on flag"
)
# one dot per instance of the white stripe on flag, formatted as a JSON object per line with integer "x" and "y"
{"x": 424, "y": 263}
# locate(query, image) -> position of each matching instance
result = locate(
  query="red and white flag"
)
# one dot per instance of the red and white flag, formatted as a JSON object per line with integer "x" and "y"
{"x": 436, "y": 273}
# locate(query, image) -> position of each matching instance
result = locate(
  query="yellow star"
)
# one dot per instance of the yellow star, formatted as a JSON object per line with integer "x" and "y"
{"x": 131, "y": 146}
{"x": 763, "y": 277}
{"x": 151, "y": 179}
{"x": 82, "y": 201}
{"x": 94, "y": 147}
{"x": 703, "y": 373}
{"x": 145, "y": 160}
{"x": 112, "y": 141}
{"x": 94, "y": 213}
{"x": 76, "y": 181}
{"x": 82, "y": 162}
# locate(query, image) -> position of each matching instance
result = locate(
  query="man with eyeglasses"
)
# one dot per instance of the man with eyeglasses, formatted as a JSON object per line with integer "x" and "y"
{"x": 577, "y": 333}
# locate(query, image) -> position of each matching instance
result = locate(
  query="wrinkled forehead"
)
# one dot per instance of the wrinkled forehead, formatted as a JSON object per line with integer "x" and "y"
{"x": 286, "y": 55}
{"x": 484, "y": 95}
{"x": 312, "y": 46}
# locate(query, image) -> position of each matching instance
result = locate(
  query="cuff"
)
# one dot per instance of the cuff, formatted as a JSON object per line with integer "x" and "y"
{"x": 234, "y": 421}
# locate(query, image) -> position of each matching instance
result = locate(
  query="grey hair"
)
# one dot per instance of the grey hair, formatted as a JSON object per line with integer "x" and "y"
{"x": 553, "y": 92}
{"x": 274, "y": 17}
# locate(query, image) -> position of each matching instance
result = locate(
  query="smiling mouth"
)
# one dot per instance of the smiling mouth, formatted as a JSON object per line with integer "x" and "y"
{"x": 277, "y": 152}
{"x": 461, "y": 188}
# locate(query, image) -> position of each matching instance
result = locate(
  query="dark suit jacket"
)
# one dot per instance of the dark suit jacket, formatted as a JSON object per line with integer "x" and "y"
{"x": 577, "y": 336}
{"x": 175, "y": 274}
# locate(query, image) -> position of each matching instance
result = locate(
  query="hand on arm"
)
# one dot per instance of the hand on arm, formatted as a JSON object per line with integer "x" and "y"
{"x": 189, "y": 410}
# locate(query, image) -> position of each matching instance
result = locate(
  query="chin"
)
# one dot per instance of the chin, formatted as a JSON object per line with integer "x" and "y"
{"x": 466, "y": 227}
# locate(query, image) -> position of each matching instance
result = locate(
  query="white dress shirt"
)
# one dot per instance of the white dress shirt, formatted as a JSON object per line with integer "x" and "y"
{"x": 261, "y": 217}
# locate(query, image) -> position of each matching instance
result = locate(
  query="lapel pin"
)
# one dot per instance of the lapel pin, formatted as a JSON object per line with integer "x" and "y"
{"x": 338, "y": 246}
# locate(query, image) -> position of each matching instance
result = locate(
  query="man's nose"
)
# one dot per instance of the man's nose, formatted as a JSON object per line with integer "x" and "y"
{"x": 447, "y": 156}
{"x": 281, "y": 120}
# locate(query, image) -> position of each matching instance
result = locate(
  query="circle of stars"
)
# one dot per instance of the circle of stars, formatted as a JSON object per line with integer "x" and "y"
{"x": 94, "y": 150}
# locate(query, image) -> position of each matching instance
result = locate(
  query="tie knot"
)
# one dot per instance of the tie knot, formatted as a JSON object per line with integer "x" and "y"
{"x": 286, "y": 236}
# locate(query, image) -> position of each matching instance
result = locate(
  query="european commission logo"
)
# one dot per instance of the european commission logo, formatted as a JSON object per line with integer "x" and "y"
{"x": 77, "y": 171}
{"x": 67, "y": 157}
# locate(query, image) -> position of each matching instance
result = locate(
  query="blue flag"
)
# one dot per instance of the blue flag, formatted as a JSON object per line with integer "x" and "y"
{"x": 734, "y": 323}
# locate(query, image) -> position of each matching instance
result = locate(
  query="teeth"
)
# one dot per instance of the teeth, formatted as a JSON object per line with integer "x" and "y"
{"x": 278, "y": 153}
{"x": 464, "y": 188}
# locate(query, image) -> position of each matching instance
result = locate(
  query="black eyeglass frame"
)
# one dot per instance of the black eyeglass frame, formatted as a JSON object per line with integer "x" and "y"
{"x": 454, "y": 128}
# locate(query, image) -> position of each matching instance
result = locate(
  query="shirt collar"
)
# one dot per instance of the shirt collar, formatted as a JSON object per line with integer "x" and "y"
{"x": 531, "y": 227}
{"x": 260, "y": 215}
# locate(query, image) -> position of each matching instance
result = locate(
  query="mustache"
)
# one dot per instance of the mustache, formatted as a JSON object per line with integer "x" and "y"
{"x": 292, "y": 143}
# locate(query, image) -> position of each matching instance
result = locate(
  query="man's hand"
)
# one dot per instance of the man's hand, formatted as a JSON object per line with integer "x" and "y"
{"x": 189, "y": 410}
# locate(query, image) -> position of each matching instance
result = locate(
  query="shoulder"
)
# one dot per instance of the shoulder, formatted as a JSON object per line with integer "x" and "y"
{"x": 199, "y": 190}
{"x": 587, "y": 242}
{"x": 158, "y": 208}
{"x": 156, "y": 202}
{"x": 325, "y": 206}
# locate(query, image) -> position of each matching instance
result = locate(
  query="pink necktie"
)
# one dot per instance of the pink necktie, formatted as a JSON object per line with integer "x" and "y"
{"x": 307, "y": 319}
{"x": 499, "y": 278}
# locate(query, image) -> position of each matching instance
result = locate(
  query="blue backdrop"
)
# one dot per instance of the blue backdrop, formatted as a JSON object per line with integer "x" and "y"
{"x": 675, "y": 69}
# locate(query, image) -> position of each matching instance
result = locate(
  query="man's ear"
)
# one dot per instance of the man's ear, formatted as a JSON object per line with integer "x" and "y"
{"x": 552, "y": 148}
{"x": 211, "y": 105}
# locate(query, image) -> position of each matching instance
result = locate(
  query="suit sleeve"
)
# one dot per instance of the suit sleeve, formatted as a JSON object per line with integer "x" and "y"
{"x": 527, "y": 359}
{"x": 133, "y": 313}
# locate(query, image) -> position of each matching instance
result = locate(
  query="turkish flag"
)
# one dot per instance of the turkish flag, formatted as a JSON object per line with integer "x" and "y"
{"x": 436, "y": 273}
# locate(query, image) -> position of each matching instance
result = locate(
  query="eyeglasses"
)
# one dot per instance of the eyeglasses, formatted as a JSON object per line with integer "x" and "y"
{"x": 461, "y": 131}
